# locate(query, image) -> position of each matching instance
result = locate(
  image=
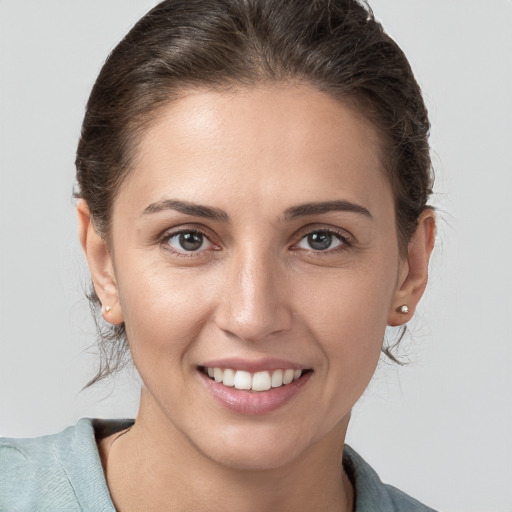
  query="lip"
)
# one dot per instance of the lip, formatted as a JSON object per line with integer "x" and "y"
{"x": 253, "y": 402}
{"x": 267, "y": 364}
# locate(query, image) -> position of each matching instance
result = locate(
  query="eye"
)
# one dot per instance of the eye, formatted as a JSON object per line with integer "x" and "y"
{"x": 322, "y": 241}
{"x": 188, "y": 241}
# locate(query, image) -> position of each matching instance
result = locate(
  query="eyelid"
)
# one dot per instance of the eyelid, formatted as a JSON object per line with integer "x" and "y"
{"x": 345, "y": 235}
{"x": 185, "y": 228}
{"x": 347, "y": 240}
{"x": 194, "y": 228}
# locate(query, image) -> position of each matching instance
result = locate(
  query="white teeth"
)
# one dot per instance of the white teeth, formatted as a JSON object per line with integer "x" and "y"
{"x": 218, "y": 374}
{"x": 243, "y": 380}
{"x": 229, "y": 378}
{"x": 259, "y": 381}
{"x": 277, "y": 379}
{"x": 288, "y": 376}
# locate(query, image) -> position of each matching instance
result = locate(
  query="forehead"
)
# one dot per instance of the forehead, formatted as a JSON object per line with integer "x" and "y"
{"x": 258, "y": 143}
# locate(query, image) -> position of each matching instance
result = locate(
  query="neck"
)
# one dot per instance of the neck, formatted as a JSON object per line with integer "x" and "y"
{"x": 154, "y": 467}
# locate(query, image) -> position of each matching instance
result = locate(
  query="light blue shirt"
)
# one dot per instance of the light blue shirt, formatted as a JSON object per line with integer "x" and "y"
{"x": 63, "y": 473}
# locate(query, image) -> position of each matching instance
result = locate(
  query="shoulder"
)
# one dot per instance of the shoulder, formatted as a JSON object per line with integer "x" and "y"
{"x": 56, "y": 472}
{"x": 32, "y": 476}
{"x": 371, "y": 493}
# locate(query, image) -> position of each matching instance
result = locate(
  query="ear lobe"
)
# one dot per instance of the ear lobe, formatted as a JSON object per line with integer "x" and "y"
{"x": 414, "y": 271}
{"x": 100, "y": 265}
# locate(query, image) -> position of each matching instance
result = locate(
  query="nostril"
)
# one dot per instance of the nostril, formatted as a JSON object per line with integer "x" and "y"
{"x": 254, "y": 326}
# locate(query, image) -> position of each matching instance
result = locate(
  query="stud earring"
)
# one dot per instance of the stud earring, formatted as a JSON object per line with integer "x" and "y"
{"x": 404, "y": 309}
{"x": 108, "y": 309}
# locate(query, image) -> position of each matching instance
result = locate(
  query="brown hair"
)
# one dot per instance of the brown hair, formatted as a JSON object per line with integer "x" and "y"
{"x": 335, "y": 45}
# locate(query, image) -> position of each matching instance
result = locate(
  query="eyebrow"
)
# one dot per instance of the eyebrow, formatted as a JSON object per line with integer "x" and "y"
{"x": 294, "y": 212}
{"x": 187, "y": 208}
{"x": 307, "y": 209}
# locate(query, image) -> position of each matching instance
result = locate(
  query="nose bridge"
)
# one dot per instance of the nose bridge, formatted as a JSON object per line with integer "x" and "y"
{"x": 254, "y": 305}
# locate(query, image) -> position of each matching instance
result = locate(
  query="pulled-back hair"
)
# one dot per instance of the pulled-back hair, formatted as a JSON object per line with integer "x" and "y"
{"x": 336, "y": 46}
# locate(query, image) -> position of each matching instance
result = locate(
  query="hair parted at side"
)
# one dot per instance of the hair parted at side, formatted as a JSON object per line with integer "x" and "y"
{"x": 335, "y": 45}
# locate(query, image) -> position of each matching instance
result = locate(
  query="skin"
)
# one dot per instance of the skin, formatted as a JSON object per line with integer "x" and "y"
{"x": 256, "y": 288}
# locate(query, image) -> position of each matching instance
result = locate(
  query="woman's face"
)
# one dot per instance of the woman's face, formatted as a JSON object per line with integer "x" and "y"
{"x": 255, "y": 234}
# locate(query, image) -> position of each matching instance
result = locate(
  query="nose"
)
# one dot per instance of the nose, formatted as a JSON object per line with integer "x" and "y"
{"x": 255, "y": 303}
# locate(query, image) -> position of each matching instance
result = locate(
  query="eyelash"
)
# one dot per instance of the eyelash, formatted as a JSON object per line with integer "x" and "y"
{"x": 341, "y": 235}
{"x": 344, "y": 237}
{"x": 186, "y": 254}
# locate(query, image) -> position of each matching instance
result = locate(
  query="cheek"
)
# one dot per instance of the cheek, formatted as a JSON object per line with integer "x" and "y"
{"x": 163, "y": 311}
{"x": 354, "y": 302}
{"x": 348, "y": 316}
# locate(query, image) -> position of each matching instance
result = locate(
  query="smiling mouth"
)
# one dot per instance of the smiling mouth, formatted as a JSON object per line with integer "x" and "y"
{"x": 257, "y": 381}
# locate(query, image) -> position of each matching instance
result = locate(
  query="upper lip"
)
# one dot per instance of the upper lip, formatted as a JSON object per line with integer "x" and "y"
{"x": 253, "y": 366}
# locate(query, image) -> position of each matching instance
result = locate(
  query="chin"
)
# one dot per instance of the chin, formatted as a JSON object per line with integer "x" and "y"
{"x": 256, "y": 449}
{"x": 256, "y": 458}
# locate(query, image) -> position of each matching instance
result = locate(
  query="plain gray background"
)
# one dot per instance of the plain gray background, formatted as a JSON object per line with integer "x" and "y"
{"x": 441, "y": 428}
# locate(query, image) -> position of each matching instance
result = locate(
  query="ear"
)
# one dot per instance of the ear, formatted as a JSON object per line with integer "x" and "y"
{"x": 413, "y": 273}
{"x": 100, "y": 265}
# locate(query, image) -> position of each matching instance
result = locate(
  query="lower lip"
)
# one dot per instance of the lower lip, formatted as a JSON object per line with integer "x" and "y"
{"x": 253, "y": 402}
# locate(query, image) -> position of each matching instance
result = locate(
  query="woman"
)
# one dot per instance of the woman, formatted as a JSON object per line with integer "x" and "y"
{"x": 253, "y": 179}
